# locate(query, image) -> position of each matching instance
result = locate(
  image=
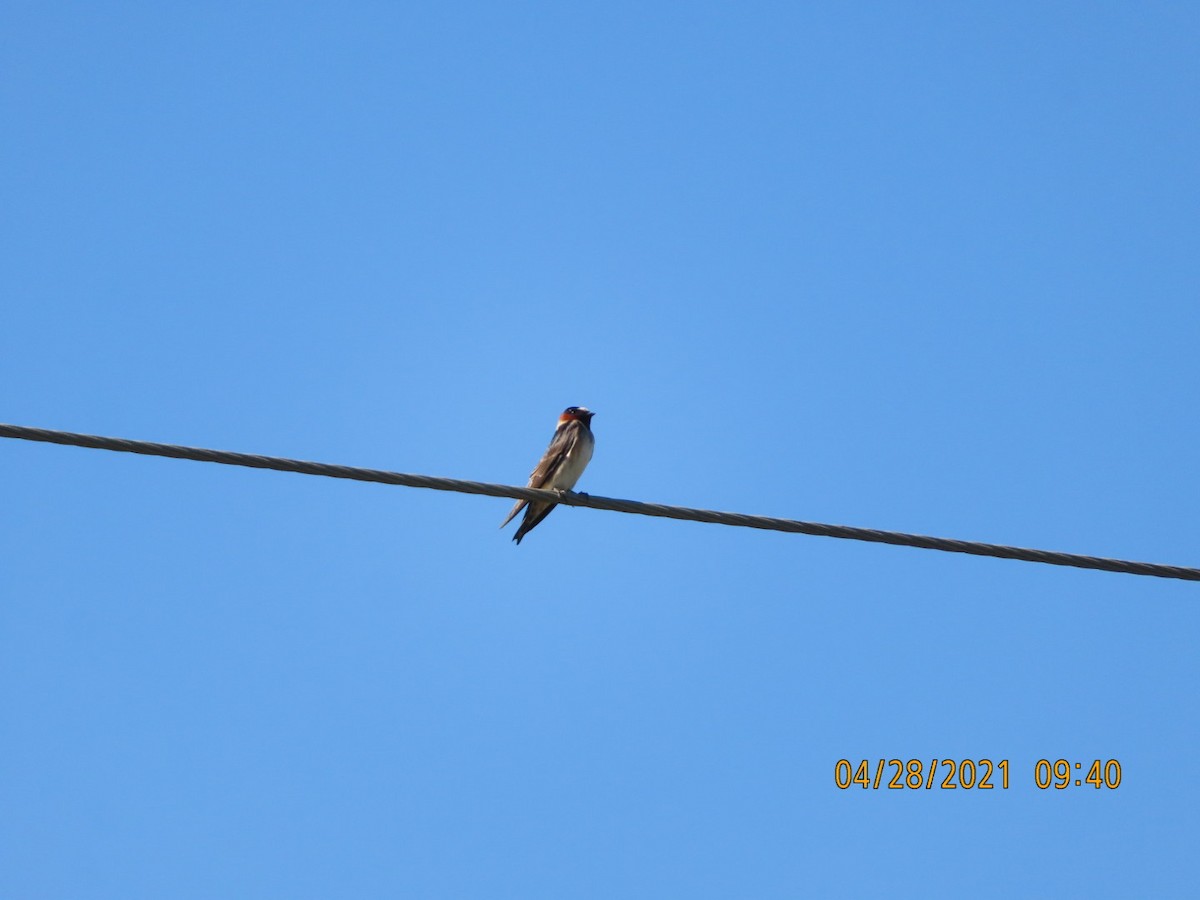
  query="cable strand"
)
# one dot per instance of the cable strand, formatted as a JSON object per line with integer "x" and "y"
{"x": 794, "y": 526}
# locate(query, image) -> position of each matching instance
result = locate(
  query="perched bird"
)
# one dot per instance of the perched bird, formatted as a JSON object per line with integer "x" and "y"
{"x": 569, "y": 452}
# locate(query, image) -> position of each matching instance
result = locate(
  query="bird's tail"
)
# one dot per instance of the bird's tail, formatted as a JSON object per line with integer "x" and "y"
{"x": 533, "y": 517}
{"x": 520, "y": 504}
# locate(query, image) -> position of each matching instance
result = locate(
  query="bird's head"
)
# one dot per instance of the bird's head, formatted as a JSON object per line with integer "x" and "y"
{"x": 576, "y": 414}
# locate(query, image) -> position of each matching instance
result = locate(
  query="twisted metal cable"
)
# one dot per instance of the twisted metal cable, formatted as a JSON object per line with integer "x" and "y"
{"x": 302, "y": 467}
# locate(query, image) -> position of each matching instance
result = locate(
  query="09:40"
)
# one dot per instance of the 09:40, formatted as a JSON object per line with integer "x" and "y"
{"x": 1058, "y": 774}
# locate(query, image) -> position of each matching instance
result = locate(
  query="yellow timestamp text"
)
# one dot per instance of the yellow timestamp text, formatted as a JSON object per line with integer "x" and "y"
{"x": 1061, "y": 774}
{"x": 972, "y": 774}
{"x": 920, "y": 774}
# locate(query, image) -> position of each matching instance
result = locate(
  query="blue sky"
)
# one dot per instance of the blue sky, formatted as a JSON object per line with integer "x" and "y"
{"x": 925, "y": 267}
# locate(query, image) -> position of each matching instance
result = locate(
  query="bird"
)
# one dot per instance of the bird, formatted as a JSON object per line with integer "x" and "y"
{"x": 567, "y": 456}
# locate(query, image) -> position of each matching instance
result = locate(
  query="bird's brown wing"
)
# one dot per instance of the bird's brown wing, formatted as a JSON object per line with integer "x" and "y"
{"x": 559, "y": 445}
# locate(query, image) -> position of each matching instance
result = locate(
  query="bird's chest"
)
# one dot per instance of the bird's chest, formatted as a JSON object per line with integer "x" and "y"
{"x": 574, "y": 463}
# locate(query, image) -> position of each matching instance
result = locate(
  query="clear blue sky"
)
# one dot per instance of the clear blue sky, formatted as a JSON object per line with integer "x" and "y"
{"x": 929, "y": 267}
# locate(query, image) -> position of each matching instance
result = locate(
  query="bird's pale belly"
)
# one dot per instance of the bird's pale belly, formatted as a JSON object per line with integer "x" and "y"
{"x": 572, "y": 467}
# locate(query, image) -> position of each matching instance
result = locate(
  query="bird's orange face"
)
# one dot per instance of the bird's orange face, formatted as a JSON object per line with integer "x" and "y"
{"x": 576, "y": 414}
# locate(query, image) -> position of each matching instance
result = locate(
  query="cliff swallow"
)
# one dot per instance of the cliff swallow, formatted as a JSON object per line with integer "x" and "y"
{"x": 567, "y": 456}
